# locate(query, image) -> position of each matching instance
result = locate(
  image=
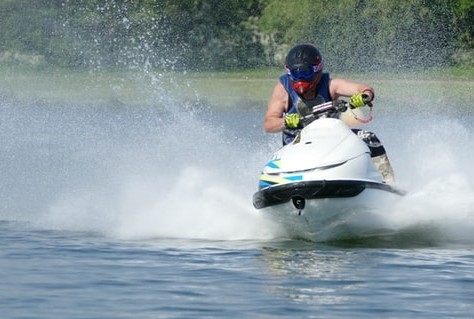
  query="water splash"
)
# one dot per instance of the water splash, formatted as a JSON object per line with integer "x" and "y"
{"x": 168, "y": 169}
{"x": 432, "y": 161}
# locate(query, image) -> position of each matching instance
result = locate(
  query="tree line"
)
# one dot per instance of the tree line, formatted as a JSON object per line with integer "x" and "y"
{"x": 202, "y": 35}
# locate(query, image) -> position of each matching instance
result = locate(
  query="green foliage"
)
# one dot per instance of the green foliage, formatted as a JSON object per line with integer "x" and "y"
{"x": 227, "y": 34}
{"x": 368, "y": 35}
{"x": 464, "y": 21}
{"x": 202, "y": 34}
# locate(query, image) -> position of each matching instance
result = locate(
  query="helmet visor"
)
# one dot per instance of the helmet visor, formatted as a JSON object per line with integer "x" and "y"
{"x": 306, "y": 73}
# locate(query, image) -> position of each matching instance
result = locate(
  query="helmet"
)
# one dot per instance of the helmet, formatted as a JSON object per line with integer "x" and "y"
{"x": 303, "y": 64}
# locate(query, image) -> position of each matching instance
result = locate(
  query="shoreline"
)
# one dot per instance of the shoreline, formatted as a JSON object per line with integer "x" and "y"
{"x": 239, "y": 89}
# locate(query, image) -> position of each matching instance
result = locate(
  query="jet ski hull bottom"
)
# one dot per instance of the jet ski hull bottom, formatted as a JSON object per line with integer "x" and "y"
{"x": 283, "y": 193}
{"x": 329, "y": 210}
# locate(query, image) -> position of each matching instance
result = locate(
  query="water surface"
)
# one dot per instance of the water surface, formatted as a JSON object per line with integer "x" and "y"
{"x": 144, "y": 211}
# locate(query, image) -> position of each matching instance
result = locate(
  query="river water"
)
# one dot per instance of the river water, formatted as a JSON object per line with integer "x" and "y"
{"x": 119, "y": 211}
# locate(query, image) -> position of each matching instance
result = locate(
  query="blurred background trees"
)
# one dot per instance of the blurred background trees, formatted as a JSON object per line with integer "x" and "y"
{"x": 202, "y": 35}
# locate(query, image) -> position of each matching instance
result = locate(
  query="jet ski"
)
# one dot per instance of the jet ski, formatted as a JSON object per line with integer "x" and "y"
{"x": 323, "y": 185}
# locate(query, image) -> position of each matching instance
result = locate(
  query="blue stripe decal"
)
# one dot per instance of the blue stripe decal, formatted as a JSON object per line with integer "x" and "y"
{"x": 273, "y": 164}
{"x": 295, "y": 178}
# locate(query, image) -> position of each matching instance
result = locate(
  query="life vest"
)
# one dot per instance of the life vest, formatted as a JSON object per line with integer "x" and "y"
{"x": 295, "y": 102}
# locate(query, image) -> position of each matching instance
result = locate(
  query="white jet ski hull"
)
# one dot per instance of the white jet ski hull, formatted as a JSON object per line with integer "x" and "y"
{"x": 324, "y": 185}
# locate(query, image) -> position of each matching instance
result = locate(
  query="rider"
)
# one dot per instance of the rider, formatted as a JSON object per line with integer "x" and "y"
{"x": 305, "y": 85}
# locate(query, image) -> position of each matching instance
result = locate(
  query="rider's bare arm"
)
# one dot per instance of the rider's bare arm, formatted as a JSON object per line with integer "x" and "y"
{"x": 277, "y": 105}
{"x": 340, "y": 87}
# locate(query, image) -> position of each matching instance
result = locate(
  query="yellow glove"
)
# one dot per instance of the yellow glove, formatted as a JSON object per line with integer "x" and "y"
{"x": 359, "y": 100}
{"x": 292, "y": 121}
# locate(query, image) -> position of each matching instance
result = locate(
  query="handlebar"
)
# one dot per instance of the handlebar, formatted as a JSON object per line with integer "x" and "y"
{"x": 326, "y": 109}
{"x": 337, "y": 106}
{"x": 309, "y": 115}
